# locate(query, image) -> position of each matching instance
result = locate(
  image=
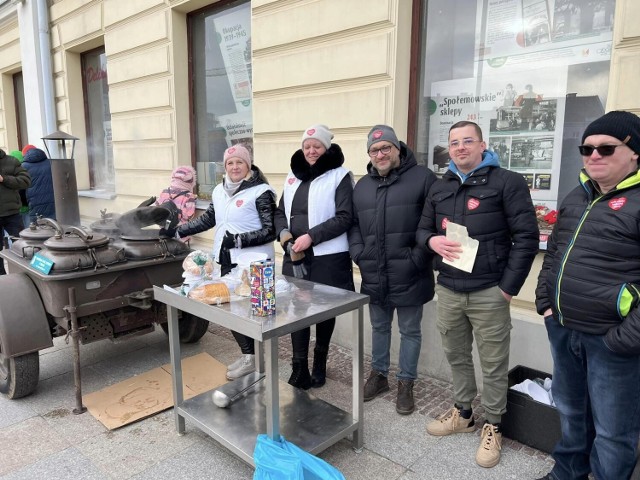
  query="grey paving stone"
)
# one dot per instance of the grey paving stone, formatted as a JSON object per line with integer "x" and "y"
{"x": 75, "y": 465}
{"x": 204, "y": 459}
{"x": 28, "y": 442}
{"x": 14, "y": 411}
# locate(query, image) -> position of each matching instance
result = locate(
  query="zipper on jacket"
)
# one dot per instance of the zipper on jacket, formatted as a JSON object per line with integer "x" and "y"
{"x": 566, "y": 256}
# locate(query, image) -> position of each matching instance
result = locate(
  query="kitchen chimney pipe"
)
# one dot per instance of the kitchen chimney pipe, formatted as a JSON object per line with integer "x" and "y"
{"x": 63, "y": 171}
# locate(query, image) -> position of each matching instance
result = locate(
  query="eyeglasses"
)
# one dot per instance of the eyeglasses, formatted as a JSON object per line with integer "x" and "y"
{"x": 466, "y": 143}
{"x": 603, "y": 150}
{"x": 373, "y": 153}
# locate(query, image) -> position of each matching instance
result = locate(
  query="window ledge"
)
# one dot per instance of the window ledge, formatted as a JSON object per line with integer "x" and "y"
{"x": 104, "y": 194}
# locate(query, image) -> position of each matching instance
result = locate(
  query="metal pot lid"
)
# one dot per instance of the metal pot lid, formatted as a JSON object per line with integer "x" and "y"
{"x": 38, "y": 232}
{"x": 74, "y": 241}
{"x": 107, "y": 222}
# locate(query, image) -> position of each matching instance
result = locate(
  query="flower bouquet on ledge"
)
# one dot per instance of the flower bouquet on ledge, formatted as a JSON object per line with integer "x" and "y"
{"x": 547, "y": 217}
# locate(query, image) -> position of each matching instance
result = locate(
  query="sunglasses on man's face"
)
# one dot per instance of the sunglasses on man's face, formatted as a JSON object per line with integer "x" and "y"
{"x": 603, "y": 150}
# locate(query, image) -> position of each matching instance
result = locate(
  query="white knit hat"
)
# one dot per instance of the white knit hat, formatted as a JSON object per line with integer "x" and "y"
{"x": 320, "y": 133}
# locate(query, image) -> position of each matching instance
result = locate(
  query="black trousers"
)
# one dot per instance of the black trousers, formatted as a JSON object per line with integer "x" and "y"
{"x": 300, "y": 339}
{"x": 246, "y": 344}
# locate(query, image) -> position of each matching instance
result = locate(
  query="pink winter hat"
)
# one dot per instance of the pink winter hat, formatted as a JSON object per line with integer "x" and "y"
{"x": 238, "y": 151}
{"x": 183, "y": 178}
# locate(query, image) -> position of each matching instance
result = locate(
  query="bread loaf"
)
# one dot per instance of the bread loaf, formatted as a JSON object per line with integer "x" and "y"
{"x": 211, "y": 293}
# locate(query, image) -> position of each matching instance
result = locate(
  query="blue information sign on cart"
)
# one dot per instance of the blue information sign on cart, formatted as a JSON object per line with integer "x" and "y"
{"x": 41, "y": 263}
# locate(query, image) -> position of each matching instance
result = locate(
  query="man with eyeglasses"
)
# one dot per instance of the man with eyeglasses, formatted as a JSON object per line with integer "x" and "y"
{"x": 397, "y": 272}
{"x": 589, "y": 292}
{"x": 495, "y": 206}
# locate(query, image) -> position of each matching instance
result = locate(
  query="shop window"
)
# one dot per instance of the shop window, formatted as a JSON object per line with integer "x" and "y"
{"x": 21, "y": 111}
{"x": 98, "y": 120}
{"x": 220, "y": 69}
{"x": 532, "y": 73}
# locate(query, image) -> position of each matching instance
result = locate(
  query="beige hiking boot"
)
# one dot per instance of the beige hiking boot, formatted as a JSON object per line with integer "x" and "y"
{"x": 451, "y": 422}
{"x": 488, "y": 454}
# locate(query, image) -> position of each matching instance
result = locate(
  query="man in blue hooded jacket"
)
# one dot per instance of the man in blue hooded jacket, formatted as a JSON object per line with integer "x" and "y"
{"x": 495, "y": 206}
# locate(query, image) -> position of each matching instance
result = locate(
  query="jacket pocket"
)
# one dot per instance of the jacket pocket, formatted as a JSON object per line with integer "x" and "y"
{"x": 441, "y": 196}
{"x": 628, "y": 299}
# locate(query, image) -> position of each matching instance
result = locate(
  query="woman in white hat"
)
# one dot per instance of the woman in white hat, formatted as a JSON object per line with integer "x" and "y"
{"x": 312, "y": 220}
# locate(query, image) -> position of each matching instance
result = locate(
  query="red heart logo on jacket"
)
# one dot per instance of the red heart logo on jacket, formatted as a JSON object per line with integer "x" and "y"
{"x": 239, "y": 203}
{"x": 291, "y": 180}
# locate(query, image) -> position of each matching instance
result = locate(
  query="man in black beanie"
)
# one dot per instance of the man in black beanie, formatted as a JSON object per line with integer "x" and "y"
{"x": 589, "y": 293}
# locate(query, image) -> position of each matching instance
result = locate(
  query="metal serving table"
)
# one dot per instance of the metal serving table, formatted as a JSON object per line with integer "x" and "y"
{"x": 276, "y": 407}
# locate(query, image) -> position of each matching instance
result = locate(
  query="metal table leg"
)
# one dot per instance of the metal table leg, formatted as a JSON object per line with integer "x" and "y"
{"x": 176, "y": 366}
{"x": 272, "y": 397}
{"x": 358, "y": 379}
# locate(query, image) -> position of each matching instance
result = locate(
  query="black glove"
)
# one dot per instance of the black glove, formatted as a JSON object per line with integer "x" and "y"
{"x": 168, "y": 232}
{"x": 224, "y": 259}
{"x": 225, "y": 269}
{"x": 228, "y": 241}
{"x": 297, "y": 261}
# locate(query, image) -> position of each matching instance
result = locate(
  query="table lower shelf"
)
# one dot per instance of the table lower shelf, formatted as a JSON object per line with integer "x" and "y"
{"x": 310, "y": 423}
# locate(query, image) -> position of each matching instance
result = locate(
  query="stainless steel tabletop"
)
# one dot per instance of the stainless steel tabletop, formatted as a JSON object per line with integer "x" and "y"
{"x": 307, "y": 303}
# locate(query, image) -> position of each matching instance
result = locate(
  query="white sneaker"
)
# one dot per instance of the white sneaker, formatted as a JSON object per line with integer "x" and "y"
{"x": 247, "y": 366}
{"x": 237, "y": 364}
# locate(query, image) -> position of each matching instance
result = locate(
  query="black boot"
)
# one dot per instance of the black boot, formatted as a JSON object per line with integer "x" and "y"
{"x": 319, "y": 372}
{"x": 404, "y": 402}
{"x": 300, "y": 377}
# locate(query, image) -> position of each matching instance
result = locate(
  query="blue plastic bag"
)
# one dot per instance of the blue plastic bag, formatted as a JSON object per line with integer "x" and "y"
{"x": 283, "y": 460}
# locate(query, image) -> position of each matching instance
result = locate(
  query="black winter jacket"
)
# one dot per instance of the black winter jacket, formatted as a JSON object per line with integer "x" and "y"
{"x": 396, "y": 271}
{"x": 333, "y": 269}
{"x": 495, "y": 205}
{"x": 265, "y": 204}
{"x": 590, "y": 276}
{"x": 15, "y": 178}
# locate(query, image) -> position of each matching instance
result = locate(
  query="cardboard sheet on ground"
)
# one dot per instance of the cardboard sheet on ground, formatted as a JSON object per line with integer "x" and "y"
{"x": 150, "y": 392}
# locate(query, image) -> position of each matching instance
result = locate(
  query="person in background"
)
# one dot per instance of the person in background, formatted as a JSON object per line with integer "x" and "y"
{"x": 495, "y": 206}
{"x": 26, "y": 148}
{"x": 396, "y": 271}
{"x": 509, "y": 96}
{"x": 40, "y": 194}
{"x": 13, "y": 178}
{"x": 242, "y": 210}
{"x": 24, "y": 209}
{"x": 588, "y": 294}
{"x": 312, "y": 219}
{"x": 180, "y": 193}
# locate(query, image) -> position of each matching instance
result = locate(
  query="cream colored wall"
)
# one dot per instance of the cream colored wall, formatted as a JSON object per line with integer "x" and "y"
{"x": 625, "y": 58}
{"x": 344, "y": 64}
{"x": 146, "y": 46}
{"x": 9, "y": 64}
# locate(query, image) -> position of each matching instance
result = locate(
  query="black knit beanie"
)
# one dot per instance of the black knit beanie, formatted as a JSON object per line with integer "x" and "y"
{"x": 625, "y": 126}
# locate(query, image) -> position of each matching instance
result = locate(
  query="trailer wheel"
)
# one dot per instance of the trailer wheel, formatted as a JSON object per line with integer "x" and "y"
{"x": 191, "y": 328}
{"x": 19, "y": 375}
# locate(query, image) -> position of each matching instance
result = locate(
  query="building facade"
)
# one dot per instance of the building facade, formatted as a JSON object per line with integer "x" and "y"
{"x": 152, "y": 84}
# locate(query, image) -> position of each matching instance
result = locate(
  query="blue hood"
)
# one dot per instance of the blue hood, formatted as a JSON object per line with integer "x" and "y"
{"x": 489, "y": 159}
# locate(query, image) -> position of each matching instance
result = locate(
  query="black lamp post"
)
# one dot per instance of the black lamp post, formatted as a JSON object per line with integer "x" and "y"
{"x": 65, "y": 186}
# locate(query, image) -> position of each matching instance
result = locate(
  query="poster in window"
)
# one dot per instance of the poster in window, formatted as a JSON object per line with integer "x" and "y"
{"x": 233, "y": 31}
{"x": 523, "y": 134}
